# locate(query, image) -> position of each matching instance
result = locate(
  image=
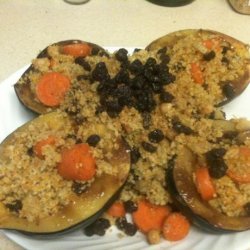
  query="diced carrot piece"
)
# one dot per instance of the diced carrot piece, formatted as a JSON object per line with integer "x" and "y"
{"x": 175, "y": 227}
{"x": 51, "y": 88}
{"x": 148, "y": 217}
{"x": 196, "y": 73}
{"x": 204, "y": 183}
{"x": 117, "y": 209}
{"x": 208, "y": 44}
{"x": 77, "y": 49}
{"x": 77, "y": 163}
{"x": 38, "y": 147}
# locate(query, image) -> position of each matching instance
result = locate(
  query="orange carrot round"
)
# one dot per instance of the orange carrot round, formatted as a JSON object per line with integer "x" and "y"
{"x": 204, "y": 183}
{"x": 148, "y": 217}
{"x": 196, "y": 73}
{"x": 175, "y": 227}
{"x": 77, "y": 49}
{"x": 38, "y": 147}
{"x": 242, "y": 173}
{"x": 51, "y": 88}
{"x": 117, "y": 209}
{"x": 77, "y": 163}
{"x": 240, "y": 178}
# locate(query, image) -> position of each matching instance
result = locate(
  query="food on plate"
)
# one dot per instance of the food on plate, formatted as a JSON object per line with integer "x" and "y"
{"x": 212, "y": 188}
{"x": 43, "y": 85}
{"x": 163, "y": 101}
{"x": 217, "y": 62}
{"x": 53, "y": 180}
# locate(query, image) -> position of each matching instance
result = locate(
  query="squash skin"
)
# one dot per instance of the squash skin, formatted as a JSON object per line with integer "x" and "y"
{"x": 84, "y": 208}
{"x": 23, "y": 91}
{"x": 186, "y": 198}
{"x": 239, "y": 85}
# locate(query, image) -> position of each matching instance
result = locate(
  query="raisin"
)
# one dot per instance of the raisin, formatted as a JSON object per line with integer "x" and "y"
{"x": 81, "y": 61}
{"x": 93, "y": 140}
{"x": 130, "y": 206}
{"x": 165, "y": 59}
{"x": 128, "y": 228}
{"x": 150, "y": 63}
{"x": 121, "y": 222}
{"x": 122, "y": 76}
{"x": 166, "y": 97}
{"x": 209, "y": 56}
{"x": 113, "y": 106}
{"x": 166, "y": 77}
{"x": 224, "y": 60}
{"x": 30, "y": 151}
{"x": 162, "y": 50}
{"x": 229, "y": 91}
{"x": 149, "y": 147}
{"x": 181, "y": 128}
{"x": 98, "y": 227}
{"x": 156, "y": 136}
{"x": 100, "y": 72}
{"x": 136, "y": 67}
{"x": 79, "y": 187}
{"x": 15, "y": 206}
{"x": 135, "y": 155}
{"x": 225, "y": 49}
{"x": 121, "y": 55}
{"x": 216, "y": 165}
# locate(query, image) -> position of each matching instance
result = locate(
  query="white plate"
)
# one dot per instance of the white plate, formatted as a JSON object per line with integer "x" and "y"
{"x": 13, "y": 114}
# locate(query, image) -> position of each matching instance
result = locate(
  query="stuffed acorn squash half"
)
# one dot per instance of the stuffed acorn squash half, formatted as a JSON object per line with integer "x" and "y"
{"x": 56, "y": 176}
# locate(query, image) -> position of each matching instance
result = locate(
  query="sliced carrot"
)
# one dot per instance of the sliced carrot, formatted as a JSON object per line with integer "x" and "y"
{"x": 175, "y": 227}
{"x": 196, "y": 73}
{"x": 51, "y": 88}
{"x": 240, "y": 178}
{"x": 204, "y": 183}
{"x": 148, "y": 217}
{"x": 208, "y": 44}
{"x": 213, "y": 44}
{"x": 77, "y": 163}
{"x": 38, "y": 147}
{"x": 242, "y": 173}
{"x": 77, "y": 49}
{"x": 117, "y": 209}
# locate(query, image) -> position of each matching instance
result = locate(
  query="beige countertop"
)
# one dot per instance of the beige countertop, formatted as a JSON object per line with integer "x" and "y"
{"x": 26, "y": 27}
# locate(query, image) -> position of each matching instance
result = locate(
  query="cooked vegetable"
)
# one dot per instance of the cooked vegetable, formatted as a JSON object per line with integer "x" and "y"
{"x": 38, "y": 147}
{"x": 77, "y": 163}
{"x": 197, "y": 73}
{"x": 188, "y": 200}
{"x": 213, "y": 42}
{"x": 204, "y": 184}
{"x": 51, "y": 88}
{"x": 117, "y": 209}
{"x": 77, "y": 49}
{"x": 47, "y": 95}
{"x": 149, "y": 216}
{"x": 175, "y": 227}
{"x": 83, "y": 208}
